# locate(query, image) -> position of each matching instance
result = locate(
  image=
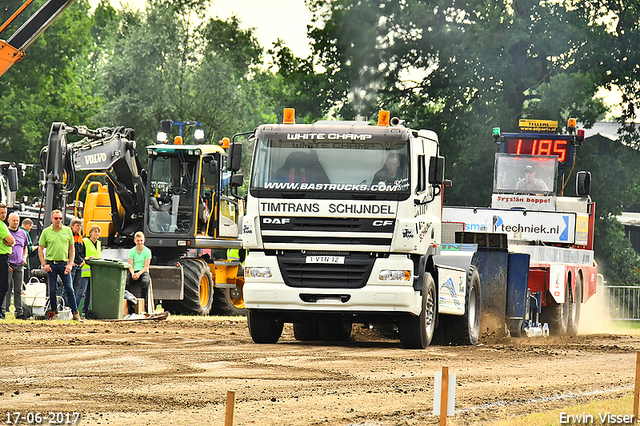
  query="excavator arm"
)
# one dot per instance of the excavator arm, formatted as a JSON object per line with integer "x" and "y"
{"x": 111, "y": 150}
{"x": 12, "y": 50}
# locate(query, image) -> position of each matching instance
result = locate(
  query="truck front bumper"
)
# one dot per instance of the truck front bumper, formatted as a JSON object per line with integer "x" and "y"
{"x": 368, "y": 299}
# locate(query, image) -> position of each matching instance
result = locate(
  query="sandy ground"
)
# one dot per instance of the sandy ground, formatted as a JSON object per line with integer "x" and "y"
{"x": 178, "y": 371}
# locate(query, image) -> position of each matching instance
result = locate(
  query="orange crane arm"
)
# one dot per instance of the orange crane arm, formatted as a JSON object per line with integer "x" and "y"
{"x": 12, "y": 50}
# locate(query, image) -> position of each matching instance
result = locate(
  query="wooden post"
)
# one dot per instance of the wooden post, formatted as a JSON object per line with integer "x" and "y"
{"x": 636, "y": 392}
{"x": 231, "y": 406}
{"x": 443, "y": 396}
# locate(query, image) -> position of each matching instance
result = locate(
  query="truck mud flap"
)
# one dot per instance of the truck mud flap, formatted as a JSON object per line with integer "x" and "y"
{"x": 503, "y": 281}
{"x": 168, "y": 282}
{"x": 493, "y": 267}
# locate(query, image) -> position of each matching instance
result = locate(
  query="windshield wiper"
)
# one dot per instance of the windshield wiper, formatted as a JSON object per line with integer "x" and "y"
{"x": 294, "y": 194}
{"x": 365, "y": 196}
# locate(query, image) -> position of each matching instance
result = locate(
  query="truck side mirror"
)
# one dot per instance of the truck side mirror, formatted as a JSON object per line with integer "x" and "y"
{"x": 583, "y": 184}
{"x": 236, "y": 180}
{"x": 234, "y": 157}
{"x": 436, "y": 170}
{"x": 12, "y": 178}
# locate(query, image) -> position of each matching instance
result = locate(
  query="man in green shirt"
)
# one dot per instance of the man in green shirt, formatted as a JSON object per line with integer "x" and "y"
{"x": 57, "y": 239}
{"x": 6, "y": 243}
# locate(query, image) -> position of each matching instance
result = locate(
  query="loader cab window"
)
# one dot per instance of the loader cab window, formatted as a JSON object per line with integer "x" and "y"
{"x": 376, "y": 169}
{"x": 173, "y": 194}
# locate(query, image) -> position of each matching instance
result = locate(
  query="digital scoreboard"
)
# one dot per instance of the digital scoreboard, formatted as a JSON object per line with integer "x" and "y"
{"x": 540, "y": 137}
{"x": 540, "y": 144}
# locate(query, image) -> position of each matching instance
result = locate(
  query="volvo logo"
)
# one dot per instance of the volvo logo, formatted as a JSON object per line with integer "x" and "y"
{"x": 95, "y": 158}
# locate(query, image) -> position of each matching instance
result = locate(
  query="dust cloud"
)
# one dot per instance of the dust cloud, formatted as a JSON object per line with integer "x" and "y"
{"x": 595, "y": 317}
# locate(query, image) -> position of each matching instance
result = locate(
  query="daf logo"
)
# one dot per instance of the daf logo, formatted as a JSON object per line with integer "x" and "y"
{"x": 382, "y": 222}
{"x": 276, "y": 220}
{"x": 95, "y": 158}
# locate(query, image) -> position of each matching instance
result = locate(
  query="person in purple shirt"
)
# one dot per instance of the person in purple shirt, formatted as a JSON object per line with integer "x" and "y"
{"x": 17, "y": 260}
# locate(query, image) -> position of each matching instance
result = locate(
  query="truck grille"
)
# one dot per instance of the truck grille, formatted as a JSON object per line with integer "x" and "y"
{"x": 375, "y": 232}
{"x": 327, "y": 224}
{"x": 353, "y": 273}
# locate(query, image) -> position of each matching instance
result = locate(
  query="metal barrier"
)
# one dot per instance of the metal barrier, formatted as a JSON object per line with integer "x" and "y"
{"x": 619, "y": 302}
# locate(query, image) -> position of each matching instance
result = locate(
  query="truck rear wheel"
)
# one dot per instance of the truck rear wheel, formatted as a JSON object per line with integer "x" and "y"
{"x": 264, "y": 327}
{"x": 576, "y": 307}
{"x": 416, "y": 332}
{"x": 465, "y": 329}
{"x": 334, "y": 331}
{"x": 306, "y": 331}
{"x": 557, "y": 314}
{"x": 198, "y": 290}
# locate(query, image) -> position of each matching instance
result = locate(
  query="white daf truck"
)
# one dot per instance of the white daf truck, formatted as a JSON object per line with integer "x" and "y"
{"x": 343, "y": 226}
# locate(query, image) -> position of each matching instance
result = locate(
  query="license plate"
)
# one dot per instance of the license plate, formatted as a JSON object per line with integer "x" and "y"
{"x": 325, "y": 259}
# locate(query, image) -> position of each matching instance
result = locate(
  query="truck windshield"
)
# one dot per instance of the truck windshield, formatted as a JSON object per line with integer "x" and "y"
{"x": 322, "y": 167}
{"x": 525, "y": 174}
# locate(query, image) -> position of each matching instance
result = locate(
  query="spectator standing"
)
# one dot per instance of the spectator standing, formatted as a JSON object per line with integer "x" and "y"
{"x": 6, "y": 245}
{"x": 139, "y": 261}
{"x": 78, "y": 260}
{"x": 27, "y": 224}
{"x": 57, "y": 239}
{"x": 93, "y": 250}
{"x": 17, "y": 260}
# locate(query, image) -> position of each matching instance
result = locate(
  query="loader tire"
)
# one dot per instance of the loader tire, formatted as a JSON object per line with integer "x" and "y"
{"x": 557, "y": 314}
{"x": 576, "y": 307}
{"x": 465, "y": 329}
{"x": 264, "y": 326}
{"x": 229, "y": 301}
{"x": 198, "y": 290}
{"x": 416, "y": 332}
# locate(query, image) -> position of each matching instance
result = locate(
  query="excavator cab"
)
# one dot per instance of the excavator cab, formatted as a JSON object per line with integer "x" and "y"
{"x": 174, "y": 189}
{"x": 190, "y": 193}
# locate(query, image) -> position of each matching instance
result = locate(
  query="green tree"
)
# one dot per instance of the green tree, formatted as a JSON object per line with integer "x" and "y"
{"x": 166, "y": 64}
{"x": 294, "y": 83}
{"x": 461, "y": 68}
{"x": 53, "y": 82}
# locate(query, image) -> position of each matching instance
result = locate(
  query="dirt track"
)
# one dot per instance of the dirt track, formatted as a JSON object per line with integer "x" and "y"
{"x": 177, "y": 372}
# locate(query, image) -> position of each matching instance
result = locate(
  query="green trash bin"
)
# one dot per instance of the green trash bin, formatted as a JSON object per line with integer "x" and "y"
{"x": 108, "y": 281}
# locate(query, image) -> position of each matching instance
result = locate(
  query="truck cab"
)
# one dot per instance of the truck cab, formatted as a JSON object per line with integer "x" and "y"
{"x": 342, "y": 223}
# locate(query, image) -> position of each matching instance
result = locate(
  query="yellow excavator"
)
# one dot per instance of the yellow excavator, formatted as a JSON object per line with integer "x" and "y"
{"x": 185, "y": 202}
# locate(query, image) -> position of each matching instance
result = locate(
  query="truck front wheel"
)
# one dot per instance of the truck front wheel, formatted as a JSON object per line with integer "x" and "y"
{"x": 465, "y": 329}
{"x": 416, "y": 332}
{"x": 264, "y": 326}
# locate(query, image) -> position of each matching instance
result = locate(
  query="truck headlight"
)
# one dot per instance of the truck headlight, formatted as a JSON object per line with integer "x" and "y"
{"x": 390, "y": 275}
{"x": 258, "y": 272}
